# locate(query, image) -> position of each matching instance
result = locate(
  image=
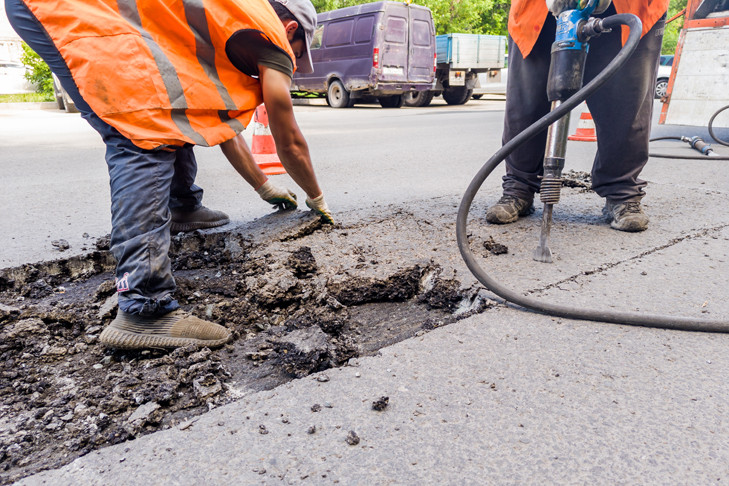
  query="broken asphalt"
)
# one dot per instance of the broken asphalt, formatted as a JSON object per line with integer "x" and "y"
{"x": 502, "y": 396}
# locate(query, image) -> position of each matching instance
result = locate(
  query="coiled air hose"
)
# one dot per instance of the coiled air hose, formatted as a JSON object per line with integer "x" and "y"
{"x": 627, "y": 318}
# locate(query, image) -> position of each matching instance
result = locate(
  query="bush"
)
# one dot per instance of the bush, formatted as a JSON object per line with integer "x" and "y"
{"x": 38, "y": 72}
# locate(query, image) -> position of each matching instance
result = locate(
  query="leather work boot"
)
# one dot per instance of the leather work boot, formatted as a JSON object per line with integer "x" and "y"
{"x": 200, "y": 218}
{"x": 509, "y": 209}
{"x": 178, "y": 328}
{"x": 627, "y": 216}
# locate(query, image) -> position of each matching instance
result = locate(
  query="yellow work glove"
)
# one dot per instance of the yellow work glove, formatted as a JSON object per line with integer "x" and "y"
{"x": 318, "y": 205}
{"x": 280, "y": 197}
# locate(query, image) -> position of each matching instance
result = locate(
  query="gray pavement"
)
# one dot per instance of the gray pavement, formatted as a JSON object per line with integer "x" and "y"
{"x": 507, "y": 398}
{"x": 503, "y": 397}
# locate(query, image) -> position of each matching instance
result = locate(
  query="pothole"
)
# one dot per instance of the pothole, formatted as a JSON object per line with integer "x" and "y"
{"x": 63, "y": 395}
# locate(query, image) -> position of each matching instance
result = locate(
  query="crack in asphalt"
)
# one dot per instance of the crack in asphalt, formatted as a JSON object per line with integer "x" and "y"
{"x": 607, "y": 266}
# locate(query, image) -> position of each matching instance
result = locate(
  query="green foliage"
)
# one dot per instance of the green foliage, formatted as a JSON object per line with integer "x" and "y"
{"x": 25, "y": 98}
{"x": 463, "y": 16}
{"x": 38, "y": 71}
{"x": 670, "y": 36}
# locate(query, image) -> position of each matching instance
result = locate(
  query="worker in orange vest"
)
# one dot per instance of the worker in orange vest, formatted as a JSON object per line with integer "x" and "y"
{"x": 621, "y": 108}
{"x": 154, "y": 79}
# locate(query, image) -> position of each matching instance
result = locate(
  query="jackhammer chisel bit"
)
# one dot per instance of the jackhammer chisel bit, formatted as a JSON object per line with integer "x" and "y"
{"x": 551, "y": 186}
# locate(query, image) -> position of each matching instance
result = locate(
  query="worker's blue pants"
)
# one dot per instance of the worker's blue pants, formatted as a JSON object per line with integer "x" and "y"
{"x": 145, "y": 185}
{"x": 622, "y": 109}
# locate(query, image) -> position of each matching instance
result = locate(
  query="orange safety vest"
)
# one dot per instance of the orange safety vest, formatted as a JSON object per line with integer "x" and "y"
{"x": 527, "y": 17}
{"x": 157, "y": 70}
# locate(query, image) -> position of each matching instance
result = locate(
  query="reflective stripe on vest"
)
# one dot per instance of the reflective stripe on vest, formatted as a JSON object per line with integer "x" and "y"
{"x": 526, "y": 18}
{"x": 157, "y": 71}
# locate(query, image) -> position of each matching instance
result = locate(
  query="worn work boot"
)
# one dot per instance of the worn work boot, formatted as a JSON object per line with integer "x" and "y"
{"x": 197, "y": 219}
{"x": 627, "y": 216}
{"x": 178, "y": 328}
{"x": 509, "y": 209}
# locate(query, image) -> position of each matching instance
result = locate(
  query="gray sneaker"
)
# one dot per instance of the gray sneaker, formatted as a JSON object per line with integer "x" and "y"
{"x": 509, "y": 209}
{"x": 200, "y": 218}
{"x": 627, "y": 216}
{"x": 178, "y": 328}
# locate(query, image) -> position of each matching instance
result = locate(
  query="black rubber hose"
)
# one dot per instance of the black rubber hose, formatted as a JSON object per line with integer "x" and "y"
{"x": 695, "y": 157}
{"x": 628, "y": 318}
{"x": 711, "y": 127}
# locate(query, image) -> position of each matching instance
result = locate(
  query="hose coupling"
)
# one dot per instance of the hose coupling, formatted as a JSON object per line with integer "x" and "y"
{"x": 592, "y": 27}
{"x": 698, "y": 143}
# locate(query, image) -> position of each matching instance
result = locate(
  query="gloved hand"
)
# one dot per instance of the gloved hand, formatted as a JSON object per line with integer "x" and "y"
{"x": 559, "y": 6}
{"x": 320, "y": 206}
{"x": 280, "y": 197}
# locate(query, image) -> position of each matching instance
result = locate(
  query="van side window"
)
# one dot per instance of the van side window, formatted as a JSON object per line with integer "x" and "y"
{"x": 421, "y": 33}
{"x": 339, "y": 33}
{"x": 396, "y": 30}
{"x": 363, "y": 29}
{"x": 316, "y": 40}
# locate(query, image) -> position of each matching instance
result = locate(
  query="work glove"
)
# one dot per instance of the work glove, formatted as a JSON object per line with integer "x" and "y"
{"x": 318, "y": 205}
{"x": 559, "y": 6}
{"x": 280, "y": 197}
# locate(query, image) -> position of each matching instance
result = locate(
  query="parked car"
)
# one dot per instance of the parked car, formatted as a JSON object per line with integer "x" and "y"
{"x": 492, "y": 82}
{"x": 63, "y": 101}
{"x": 665, "y": 65}
{"x": 381, "y": 50}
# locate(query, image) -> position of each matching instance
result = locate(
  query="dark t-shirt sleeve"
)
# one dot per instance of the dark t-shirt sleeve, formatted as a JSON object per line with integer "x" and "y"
{"x": 247, "y": 49}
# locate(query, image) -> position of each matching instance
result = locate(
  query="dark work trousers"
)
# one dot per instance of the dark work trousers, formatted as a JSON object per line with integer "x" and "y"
{"x": 621, "y": 110}
{"x": 145, "y": 184}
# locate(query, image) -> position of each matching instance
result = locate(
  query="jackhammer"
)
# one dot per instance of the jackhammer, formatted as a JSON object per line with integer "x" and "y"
{"x": 565, "y": 92}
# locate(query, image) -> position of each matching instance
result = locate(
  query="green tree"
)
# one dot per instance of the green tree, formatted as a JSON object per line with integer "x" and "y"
{"x": 670, "y": 35}
{"x": 464, "y": 16}
{"x": 38, "y": 72}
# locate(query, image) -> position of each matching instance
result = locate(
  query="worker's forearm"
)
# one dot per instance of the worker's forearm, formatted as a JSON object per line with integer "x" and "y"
{"x": 290, "y": 142}
{"x": 237, "y": 153}
{"x": 294, "y": 155}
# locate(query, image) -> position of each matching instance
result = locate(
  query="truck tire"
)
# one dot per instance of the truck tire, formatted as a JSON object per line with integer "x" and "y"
{"x": 417, "y": 98}
{"x": 394, "y": 101}
{"x": 457, "y": 95}
{"x": 337, "y": 95}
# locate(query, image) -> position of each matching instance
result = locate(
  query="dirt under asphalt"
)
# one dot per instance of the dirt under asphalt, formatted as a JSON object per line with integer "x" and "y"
{"x": 299, "y": 296}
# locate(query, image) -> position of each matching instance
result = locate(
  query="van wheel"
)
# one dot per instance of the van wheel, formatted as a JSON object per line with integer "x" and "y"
{"x": 457, "y": 96}
{"x": 337, "y": 95}
{"x": 394, "y": 101}
{"x": 417, "y": 98}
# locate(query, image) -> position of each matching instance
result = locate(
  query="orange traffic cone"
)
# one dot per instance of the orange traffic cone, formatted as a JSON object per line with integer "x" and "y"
{"x": 585, "y": 128}
{"x": 263, "y": 146}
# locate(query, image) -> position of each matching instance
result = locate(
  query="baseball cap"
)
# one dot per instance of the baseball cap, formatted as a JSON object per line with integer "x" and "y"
{"x": 305, "y": 13}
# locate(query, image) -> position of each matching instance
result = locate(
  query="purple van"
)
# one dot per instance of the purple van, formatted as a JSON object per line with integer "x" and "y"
{"x": 382, "y": 50}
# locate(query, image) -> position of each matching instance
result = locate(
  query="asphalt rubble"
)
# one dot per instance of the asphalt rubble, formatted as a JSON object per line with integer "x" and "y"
{"x": 363, "y": 352}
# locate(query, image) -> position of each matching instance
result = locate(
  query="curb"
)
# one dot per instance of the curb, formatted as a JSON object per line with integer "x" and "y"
{"x": 30, "y": 105}
{"x": 308, "y": 101}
